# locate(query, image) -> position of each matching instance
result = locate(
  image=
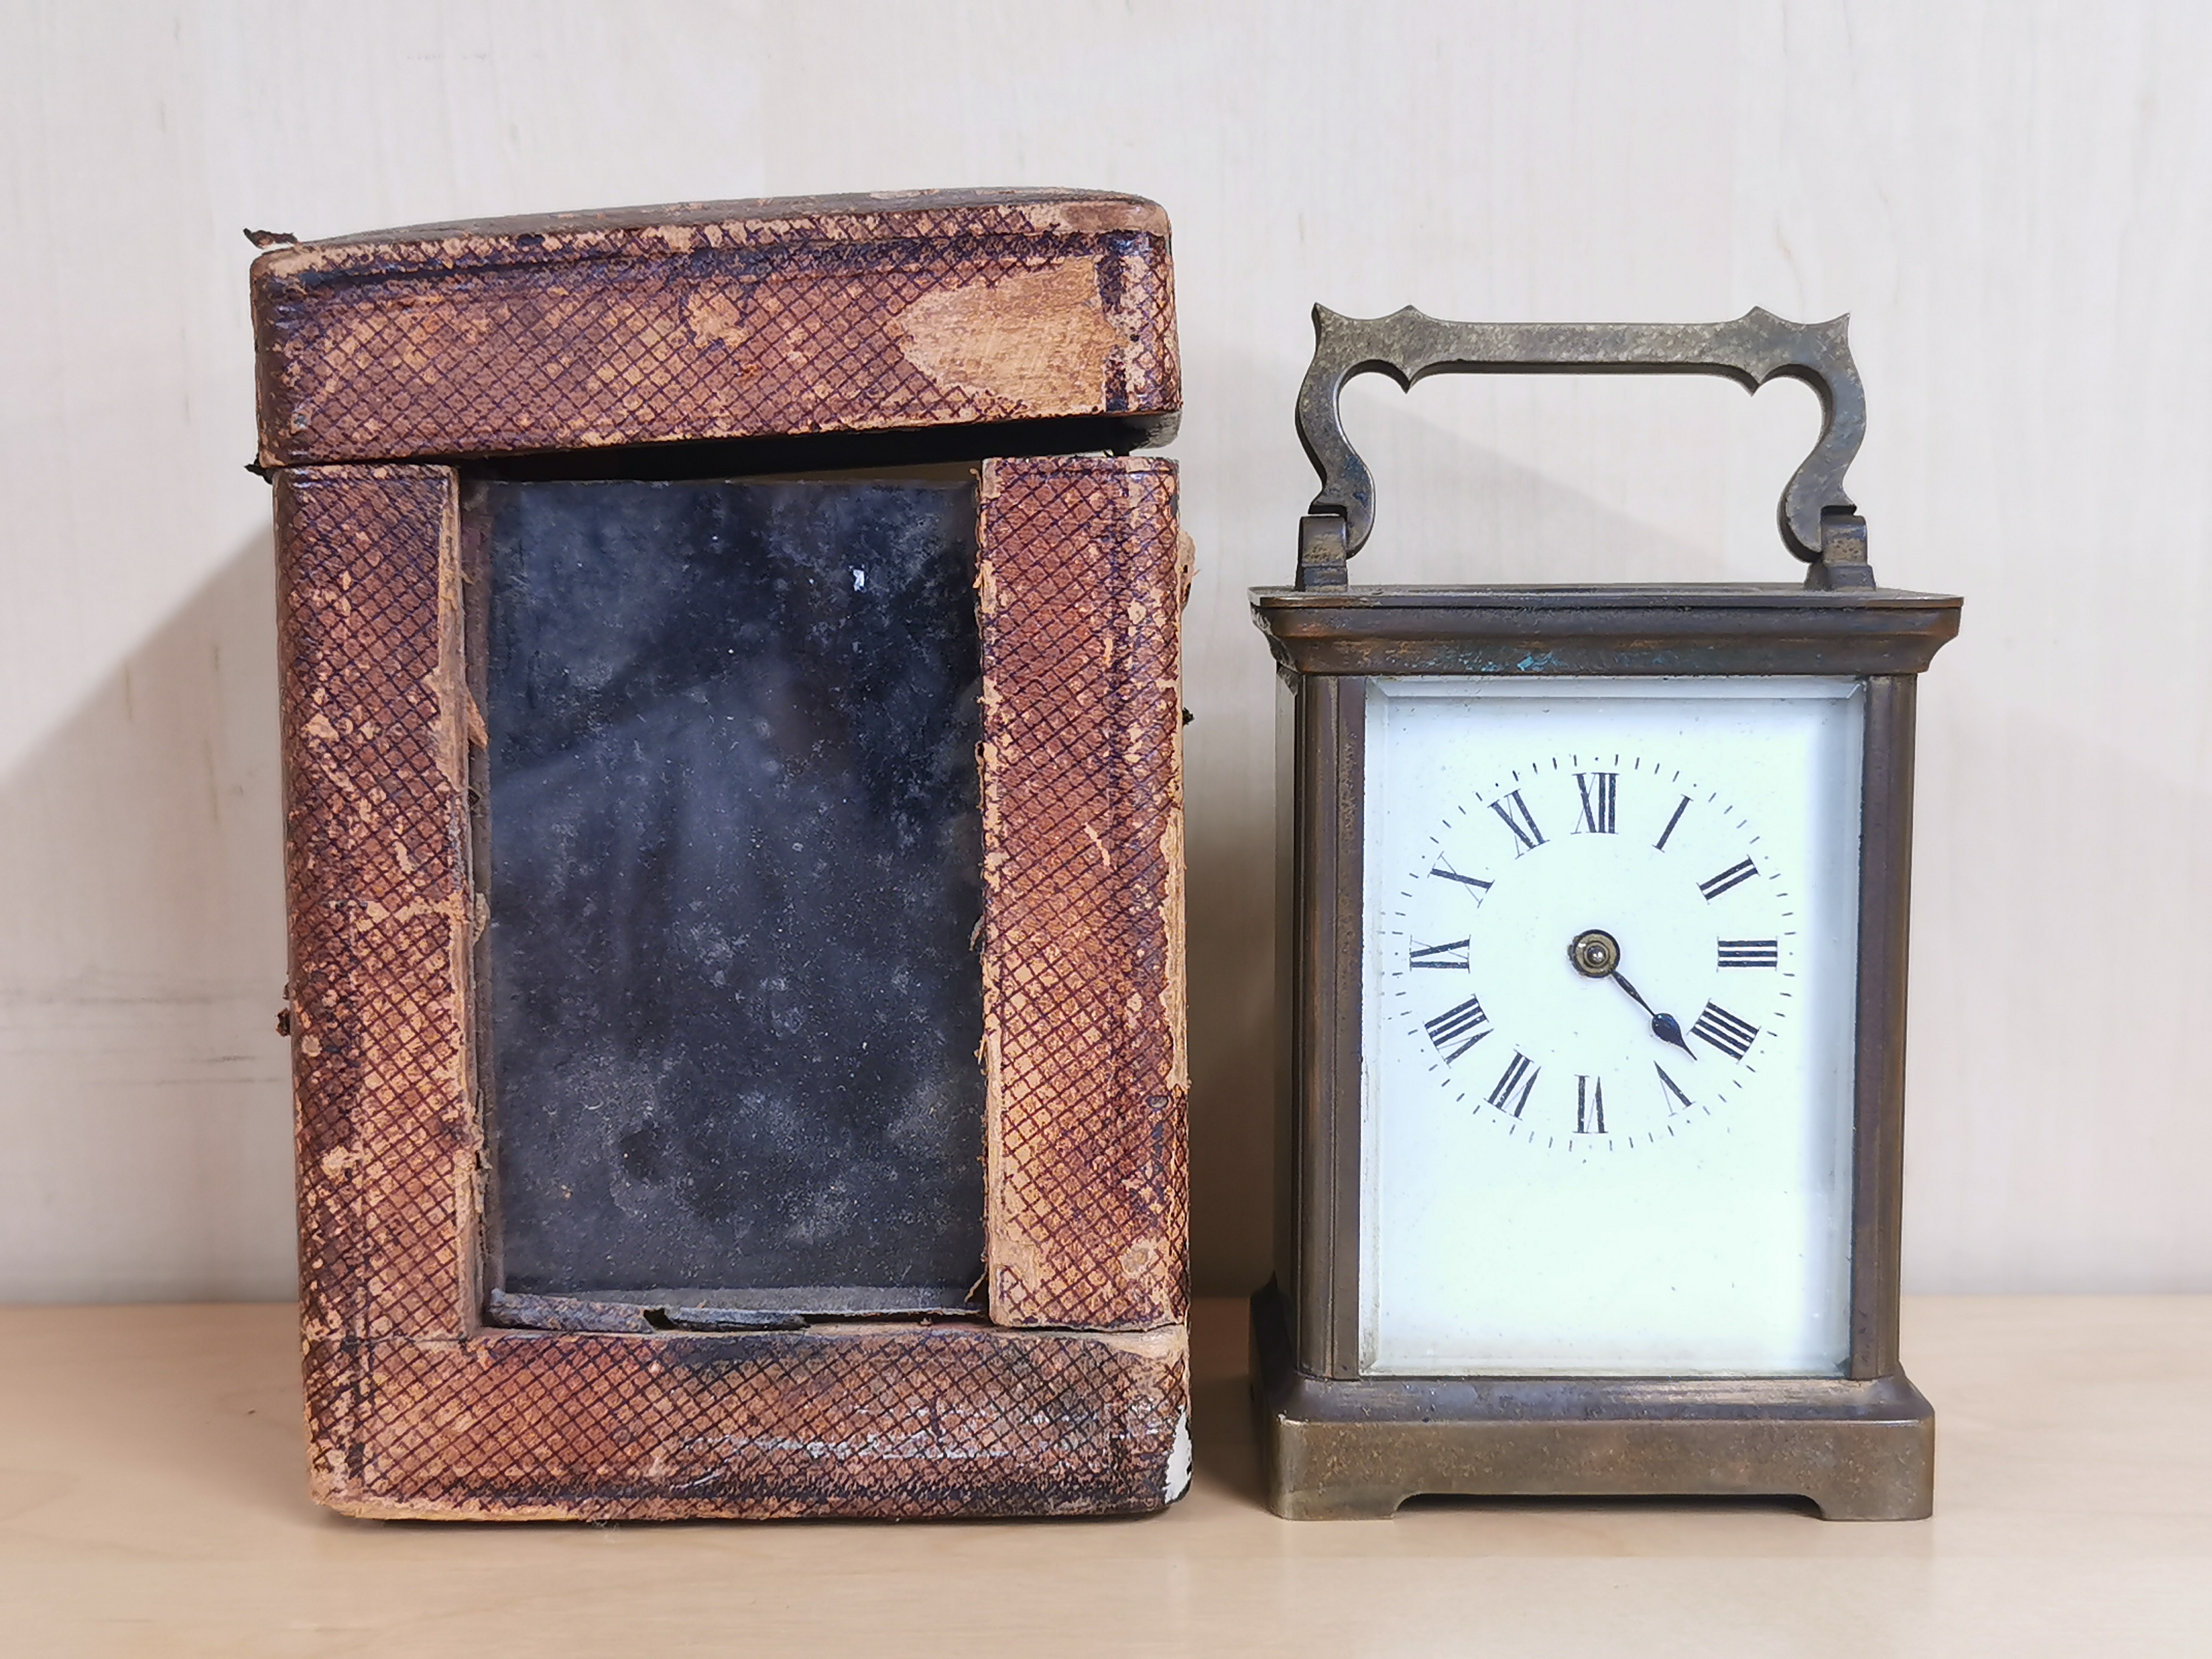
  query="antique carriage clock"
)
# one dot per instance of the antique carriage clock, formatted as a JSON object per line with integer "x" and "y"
{"x": 733, "y": 829}
{"x": 1596, "y": 903}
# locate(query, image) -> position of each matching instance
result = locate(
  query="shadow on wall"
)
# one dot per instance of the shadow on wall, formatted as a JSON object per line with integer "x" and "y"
{"x": 142, "y": 1086}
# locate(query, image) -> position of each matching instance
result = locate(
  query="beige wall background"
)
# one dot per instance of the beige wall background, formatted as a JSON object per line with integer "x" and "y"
{"x": 2010, "y": 198}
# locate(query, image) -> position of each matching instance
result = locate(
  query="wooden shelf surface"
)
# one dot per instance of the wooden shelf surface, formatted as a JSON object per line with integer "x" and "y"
{"x": 152, "y": 1501}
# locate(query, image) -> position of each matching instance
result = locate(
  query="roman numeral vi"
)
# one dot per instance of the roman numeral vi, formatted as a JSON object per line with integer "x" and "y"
{"x": 1589, "y": 1106}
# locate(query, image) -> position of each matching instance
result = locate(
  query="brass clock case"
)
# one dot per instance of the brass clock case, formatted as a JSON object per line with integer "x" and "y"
{"x": 1336, "y": 1442}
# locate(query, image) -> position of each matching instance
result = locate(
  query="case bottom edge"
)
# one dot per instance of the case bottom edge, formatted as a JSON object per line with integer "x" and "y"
{"x": 1354, "y": 1448}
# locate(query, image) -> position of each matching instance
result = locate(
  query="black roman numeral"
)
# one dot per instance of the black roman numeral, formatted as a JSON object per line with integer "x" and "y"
{"x": 1520, "y": 1075}
{"x": 1453, "y": 955}
{"x": 1513, "y": 812}
{"x": 1671, "y": 1087}
{"x": 1660, "y": 845}
{"x": 1443, "y": 868}
{"x": 1463, "y": 1026}
{"x": 1598, "y": 789}
{"x": 1734, "y": 876}
{"x": 1750, "y": 953}
{"x": 1725, "y": 1031}
{"x": 1589, "y": 1106}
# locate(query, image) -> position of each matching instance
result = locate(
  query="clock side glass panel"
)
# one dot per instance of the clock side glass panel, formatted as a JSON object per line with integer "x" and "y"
{"x": 1609, "y": 1007}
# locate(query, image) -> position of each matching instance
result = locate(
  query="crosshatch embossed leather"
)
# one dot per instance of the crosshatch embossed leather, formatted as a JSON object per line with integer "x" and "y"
{"x": 729, "y": 320}
{"x": 1070, "y": 1395}
{"x": 1081, "y": 583}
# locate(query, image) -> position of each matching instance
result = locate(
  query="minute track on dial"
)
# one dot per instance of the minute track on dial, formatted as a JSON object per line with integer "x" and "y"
{"x": 1669, "y": 867}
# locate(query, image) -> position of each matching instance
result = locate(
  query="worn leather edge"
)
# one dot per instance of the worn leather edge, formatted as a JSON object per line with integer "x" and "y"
{"x": 852, "y": 215}
{"x": 1081, "y": 576}
{"x": 854, "y": 1422}
{"x": 734, "y": 320}
{"x": 375, "y": 725}
{"x": 373, "y": 735}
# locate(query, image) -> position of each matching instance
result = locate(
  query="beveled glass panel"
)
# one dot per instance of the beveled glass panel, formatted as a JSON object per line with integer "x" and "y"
{"x": 1609, "y": 996}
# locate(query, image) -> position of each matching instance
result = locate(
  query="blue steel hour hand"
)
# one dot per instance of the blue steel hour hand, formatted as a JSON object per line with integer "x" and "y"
{"x": 1597, "y": 955}
{"x": 1663, "y": 1026}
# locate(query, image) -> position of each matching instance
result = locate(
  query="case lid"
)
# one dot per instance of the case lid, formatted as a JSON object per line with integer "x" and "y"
{"x": 717, "y": 320}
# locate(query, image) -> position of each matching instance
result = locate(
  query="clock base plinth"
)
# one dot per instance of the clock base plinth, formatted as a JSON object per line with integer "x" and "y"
{"x": 1356, "y": 1448}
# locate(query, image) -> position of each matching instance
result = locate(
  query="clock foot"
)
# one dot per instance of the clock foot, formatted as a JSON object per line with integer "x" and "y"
{"x": 1357, "y": 1447}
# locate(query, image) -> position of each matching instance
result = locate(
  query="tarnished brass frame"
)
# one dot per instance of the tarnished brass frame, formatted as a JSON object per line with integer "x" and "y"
{"x": 1337, "y": 1443}
{"x": 1860, "y": 1449}
{"x": 1409, "y": 346}
{"x": 1752, "y": 628}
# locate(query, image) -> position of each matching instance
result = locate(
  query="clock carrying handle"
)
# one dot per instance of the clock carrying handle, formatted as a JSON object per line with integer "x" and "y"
{"x": 1819, "y": 524}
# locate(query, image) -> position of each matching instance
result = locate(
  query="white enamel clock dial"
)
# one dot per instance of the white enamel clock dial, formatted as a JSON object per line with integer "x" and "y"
{"x": 1609, "y": 1005}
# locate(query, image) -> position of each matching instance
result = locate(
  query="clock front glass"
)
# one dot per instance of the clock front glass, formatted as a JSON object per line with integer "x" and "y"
{"x": 1608, "y": 1005}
